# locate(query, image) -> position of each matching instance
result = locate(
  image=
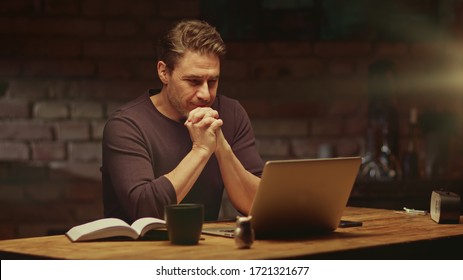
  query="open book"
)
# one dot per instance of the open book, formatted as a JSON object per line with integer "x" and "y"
{"x": 113, "y": 227}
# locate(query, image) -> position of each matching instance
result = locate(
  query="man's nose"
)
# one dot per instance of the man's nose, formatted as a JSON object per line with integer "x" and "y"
{"x": 203, "y": 92}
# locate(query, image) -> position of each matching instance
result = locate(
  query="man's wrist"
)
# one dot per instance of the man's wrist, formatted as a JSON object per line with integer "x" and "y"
{"x": 223, "y": 148}
{"x": 222, "y": 145}
{"x": 201, "y": 151}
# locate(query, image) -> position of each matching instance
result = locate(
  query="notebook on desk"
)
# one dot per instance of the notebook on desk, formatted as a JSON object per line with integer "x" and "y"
{"x": 300, "y": 197}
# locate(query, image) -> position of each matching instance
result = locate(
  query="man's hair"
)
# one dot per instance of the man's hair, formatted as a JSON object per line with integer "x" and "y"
{"x": 189, "y": 35}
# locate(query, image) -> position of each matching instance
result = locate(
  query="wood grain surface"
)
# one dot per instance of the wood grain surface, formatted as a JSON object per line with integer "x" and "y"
{"x": 381, "y": 228}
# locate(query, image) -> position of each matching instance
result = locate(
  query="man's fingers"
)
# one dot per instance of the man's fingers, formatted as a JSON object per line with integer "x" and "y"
{"x": 200, "y": 113}
{"x": 205, "y": 122}
{"x": 216, "y": 124}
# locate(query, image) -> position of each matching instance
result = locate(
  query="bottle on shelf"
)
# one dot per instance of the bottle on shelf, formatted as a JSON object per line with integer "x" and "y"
{"x": 389, "y": 164}
{"x": 380, "y": 162}
{"x": 410, "y": 161}
{"x": 370, "y": 168}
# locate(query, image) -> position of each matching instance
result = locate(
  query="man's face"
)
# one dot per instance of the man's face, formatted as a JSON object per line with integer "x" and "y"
{"x": 193, "y": 83}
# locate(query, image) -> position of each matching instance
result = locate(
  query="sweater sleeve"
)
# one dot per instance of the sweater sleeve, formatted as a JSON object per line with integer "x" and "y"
{"x": 129, "y": 171}
{"x": 242, "y": 141}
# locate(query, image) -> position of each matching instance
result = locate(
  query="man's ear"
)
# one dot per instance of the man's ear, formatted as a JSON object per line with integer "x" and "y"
{"x": 163, "y": 72}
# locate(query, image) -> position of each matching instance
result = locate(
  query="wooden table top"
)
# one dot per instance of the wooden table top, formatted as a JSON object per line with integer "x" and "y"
{"x": 380, "y": 228}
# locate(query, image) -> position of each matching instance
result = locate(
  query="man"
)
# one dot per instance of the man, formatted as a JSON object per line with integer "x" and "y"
{"x": 182, "y": 143}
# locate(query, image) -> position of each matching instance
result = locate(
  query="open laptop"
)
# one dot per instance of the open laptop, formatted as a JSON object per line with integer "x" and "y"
{"x": 300, "y": 197}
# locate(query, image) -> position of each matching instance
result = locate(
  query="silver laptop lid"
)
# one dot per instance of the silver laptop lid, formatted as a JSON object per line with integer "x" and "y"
{"x": 304, "y": 195}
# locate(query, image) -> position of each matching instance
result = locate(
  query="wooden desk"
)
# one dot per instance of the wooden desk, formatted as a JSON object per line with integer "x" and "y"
{"x": 385, "y": 234}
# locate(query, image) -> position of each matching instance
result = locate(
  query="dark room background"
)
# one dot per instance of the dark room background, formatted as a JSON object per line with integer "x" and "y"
{"x": 302, "y": 69}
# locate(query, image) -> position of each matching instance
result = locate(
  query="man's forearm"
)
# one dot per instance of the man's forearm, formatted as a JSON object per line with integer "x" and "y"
{"x": 240, "y": 184}
{"x": 187, "y": 172}
{"x": 202, "y": 127}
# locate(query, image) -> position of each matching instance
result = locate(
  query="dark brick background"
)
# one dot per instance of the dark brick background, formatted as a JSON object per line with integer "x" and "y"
{"x": 66, "y": 65}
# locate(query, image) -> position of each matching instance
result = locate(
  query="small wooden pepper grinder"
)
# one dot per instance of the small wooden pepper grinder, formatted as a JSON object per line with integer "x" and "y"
{"x": 244, "y": 234}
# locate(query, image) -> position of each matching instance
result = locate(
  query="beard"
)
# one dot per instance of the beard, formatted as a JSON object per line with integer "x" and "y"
{"x": 176, "y": 103}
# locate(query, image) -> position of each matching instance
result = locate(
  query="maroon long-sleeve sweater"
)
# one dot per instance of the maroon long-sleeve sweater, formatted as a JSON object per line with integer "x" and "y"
{"x": 140, "y": 145}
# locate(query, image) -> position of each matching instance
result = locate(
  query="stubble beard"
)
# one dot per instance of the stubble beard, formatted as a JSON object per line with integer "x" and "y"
{"x": 177, "y": 105}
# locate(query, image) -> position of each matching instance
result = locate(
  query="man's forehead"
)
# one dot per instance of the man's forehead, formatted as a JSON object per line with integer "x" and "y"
{"x": 197, "y": 66}
{"x": 199, "y": 77}
{"x": 196, "y": 57}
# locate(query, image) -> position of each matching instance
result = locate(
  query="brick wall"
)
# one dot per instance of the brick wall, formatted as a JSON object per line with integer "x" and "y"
{"x": 66, "y": 65}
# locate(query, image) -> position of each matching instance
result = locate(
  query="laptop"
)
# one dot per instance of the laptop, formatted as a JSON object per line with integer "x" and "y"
{"x": 300, "y": 197}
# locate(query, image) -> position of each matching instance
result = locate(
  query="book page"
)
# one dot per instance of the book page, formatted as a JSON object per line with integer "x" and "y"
{"x": 108, "y": 227}
{"x": 143, "y": 225}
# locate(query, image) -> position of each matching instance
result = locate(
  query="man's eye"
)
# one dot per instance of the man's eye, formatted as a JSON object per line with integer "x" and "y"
{"x": 194, "y": 82}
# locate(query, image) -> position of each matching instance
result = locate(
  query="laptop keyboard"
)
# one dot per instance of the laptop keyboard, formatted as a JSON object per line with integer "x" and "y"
{"x": 227, "y": 230}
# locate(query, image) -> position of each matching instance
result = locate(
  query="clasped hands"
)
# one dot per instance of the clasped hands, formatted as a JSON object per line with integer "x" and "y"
{"x": 204, "y": 125}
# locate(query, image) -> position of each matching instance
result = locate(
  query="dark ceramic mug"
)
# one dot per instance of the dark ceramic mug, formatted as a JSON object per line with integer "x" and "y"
{"x": 184, "y": 223}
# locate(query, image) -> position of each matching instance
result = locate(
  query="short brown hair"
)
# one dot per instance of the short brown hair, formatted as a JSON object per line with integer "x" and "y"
{"x": 192, "y": 35}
